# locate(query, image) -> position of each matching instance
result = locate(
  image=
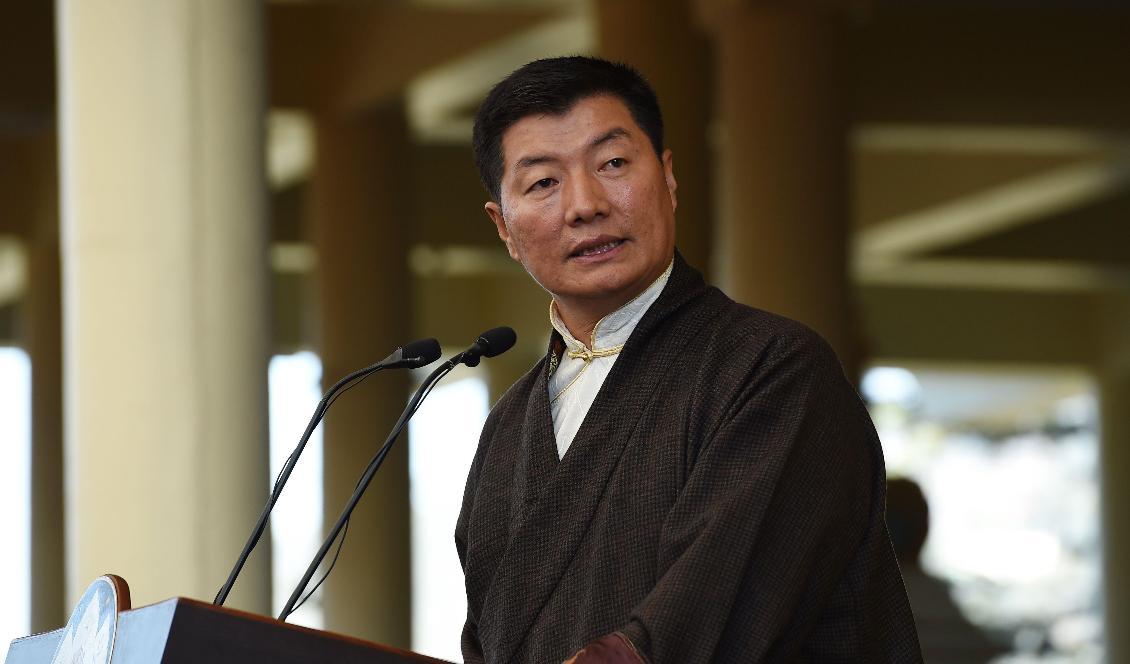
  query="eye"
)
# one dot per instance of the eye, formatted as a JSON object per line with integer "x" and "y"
{"x": 543, "y": 183}
{"x": 616, "y": 162}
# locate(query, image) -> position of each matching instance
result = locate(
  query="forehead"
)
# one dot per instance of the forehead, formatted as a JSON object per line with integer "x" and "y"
{"x": 586, "y": 120}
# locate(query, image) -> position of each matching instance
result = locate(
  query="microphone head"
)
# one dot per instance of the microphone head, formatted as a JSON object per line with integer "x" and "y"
{"x": 496, "y": 341}
{"x": 420, "y": 353}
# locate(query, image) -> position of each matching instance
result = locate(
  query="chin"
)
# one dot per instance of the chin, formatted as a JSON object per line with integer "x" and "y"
{"x": 607, "y": 289}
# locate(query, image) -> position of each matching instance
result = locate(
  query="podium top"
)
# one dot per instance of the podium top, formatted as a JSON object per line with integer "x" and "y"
{"x": 187, "y": 630}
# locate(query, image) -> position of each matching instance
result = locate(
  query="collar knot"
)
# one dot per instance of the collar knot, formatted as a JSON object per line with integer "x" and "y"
{"x": 588, "y": 355}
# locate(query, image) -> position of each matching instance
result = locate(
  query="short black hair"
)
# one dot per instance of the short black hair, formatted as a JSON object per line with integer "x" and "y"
{"x": 551, "y": 87}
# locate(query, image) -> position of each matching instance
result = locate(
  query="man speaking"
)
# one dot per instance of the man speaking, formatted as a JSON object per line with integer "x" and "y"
{"x": 681, "y": 478}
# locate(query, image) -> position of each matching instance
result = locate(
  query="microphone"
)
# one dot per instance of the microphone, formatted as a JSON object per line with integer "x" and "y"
{"x": 489, "y": 344}
{"x": 419, "y": 353}
{"x": 416, "y": 354}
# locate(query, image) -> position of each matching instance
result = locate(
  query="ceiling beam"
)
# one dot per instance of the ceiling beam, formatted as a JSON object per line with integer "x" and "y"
{"x": 993, "y": 210}
{"x": 998, "y": 275}
{"x": 986, "y": 139}
{"x": 439, "y": 100}
{"x": 347, "y": 56}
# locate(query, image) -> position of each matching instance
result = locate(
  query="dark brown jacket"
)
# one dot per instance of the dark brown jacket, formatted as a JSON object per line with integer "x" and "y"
{"x": 722, "y": 502}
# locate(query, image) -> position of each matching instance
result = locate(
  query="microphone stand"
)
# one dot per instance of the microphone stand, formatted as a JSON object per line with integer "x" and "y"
{"x": 367, "y": 477}
{"x": 288, "y": 467}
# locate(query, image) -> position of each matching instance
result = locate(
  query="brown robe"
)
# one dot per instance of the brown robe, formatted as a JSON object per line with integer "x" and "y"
{"x": 723, "y": 501}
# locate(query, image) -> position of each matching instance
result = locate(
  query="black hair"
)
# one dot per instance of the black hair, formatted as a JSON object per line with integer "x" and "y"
{"x": 908, "y": 518}
{"x": 551, "y": 87}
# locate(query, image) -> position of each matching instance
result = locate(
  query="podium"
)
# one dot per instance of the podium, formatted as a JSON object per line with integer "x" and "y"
{"x": 103, "y": 628}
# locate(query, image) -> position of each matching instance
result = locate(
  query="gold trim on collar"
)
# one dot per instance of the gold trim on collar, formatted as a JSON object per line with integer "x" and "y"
{"x": 588, "y": 355}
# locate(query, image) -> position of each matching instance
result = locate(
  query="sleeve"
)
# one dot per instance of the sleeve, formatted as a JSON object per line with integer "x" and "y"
{"x": 469, "y": 642}
{"x": 776, "y": 501}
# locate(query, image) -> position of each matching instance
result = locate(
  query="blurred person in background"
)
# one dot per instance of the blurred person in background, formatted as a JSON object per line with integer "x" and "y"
{"x": 947, "y": 637}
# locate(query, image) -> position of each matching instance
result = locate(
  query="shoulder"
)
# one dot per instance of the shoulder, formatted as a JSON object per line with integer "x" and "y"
{"x": 751, "y": 338}
{"x": 743, "y": 362}
{"x": 775, "y": 387}
{"x": 734, "y": 332}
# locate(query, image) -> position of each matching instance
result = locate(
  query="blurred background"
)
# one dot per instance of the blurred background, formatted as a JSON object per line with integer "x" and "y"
{"x": 211, "y": 209}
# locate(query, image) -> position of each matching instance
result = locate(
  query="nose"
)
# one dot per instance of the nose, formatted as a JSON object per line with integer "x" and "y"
{"x": 585, "y": 200}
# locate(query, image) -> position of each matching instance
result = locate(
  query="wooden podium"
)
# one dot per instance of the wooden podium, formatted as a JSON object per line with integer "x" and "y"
{"x": 103, "y": 628}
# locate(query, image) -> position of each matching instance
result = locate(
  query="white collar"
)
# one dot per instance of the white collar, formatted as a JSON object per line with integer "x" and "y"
{"x": 613, "y": 330}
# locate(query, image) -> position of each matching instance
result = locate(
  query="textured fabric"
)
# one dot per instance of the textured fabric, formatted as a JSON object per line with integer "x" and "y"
{"x": 575, "y": 381}
{"x": 722, "y": 502}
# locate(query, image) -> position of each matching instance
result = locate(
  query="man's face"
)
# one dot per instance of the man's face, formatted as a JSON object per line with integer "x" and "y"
{"x": 586, "y": 206}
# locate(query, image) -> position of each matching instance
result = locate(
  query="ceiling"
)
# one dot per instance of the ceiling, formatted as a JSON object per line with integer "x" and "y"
{"x": 990, "y": 141}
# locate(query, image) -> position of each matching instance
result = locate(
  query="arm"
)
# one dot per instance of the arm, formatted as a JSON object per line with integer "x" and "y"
{"x": 776, "y": 503}
{"x": 469, "y": 639}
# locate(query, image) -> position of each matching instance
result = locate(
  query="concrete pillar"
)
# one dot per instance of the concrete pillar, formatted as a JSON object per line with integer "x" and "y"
{"x": 43, "y": 338}
{"x": 782, "y": 236}
{"x": 664, "y": 42}
{"x": 357, "y": 195}
{"x": 1114, "y": 426}
{"x": 165, "y": 294}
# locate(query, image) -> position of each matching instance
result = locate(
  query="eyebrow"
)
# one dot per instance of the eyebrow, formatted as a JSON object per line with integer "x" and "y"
{"x": 610, "y": 135}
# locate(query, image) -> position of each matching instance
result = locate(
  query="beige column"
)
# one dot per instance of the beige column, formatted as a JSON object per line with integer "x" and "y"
{"x": 43, "y": 340}
{"x": 357, "y": 194}
{"x": 781, "y": 242}
{"x": 1114, "y": 426}
{"x": 664, "y": 42}
{"x": 164, "y": 294}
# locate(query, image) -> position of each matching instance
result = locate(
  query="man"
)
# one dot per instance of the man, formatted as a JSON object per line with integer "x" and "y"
{"x": 681, "y": 478}
{"x": 945, "y": 634}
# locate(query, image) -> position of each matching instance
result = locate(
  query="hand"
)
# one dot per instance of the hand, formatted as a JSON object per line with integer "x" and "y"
{"x": 614, "y": 648}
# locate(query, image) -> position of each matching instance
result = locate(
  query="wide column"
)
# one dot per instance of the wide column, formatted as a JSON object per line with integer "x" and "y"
{"x": 164, "y": 293}
{"x": 43, "y": 339}
{"x": 663, "y": 41}
{"x": 357, "y": 194}
{"x": 782, "y": 237}
{"x": 1114, "y": 425}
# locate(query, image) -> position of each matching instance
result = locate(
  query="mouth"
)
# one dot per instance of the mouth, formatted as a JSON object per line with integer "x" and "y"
{"x": 596, "y": 247}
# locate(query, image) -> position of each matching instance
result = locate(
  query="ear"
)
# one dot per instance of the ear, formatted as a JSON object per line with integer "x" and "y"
{"x": 669, "y": 176}
{"x": 494, "y": 211}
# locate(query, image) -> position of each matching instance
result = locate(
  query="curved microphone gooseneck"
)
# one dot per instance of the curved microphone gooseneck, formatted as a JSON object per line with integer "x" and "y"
{"x": 416, "y": 354}
{"x": 490, "y": 343}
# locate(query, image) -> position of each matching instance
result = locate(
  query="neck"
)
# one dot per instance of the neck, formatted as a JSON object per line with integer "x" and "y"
{"x": 581, "y": 315}
{"x": 581, "y": 321}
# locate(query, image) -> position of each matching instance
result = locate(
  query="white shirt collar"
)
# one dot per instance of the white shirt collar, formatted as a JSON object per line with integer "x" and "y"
{"x": 615, "y": 328}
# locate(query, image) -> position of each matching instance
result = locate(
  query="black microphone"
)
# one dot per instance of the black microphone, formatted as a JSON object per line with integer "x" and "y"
{"x": 416, "y": 354}
{"x": 419, "y": 353}
{"x": 490, "y": 343}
